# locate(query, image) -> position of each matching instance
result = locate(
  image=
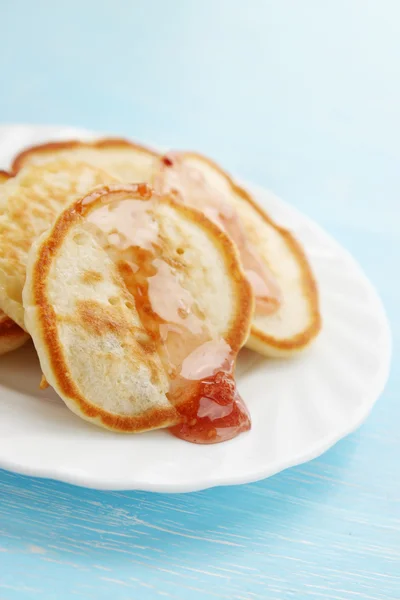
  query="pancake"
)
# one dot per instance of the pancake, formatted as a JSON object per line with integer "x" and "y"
{"x": 138, "y": 306}
{"x": 11, "y": 335}
{"x": 287, "y": 317}
{"x": 29, "y": 203}
{"x": 127, "y": 161}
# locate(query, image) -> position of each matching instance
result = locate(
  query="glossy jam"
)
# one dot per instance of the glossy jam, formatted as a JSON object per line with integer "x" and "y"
{"x": 214, "y": 413}
{"x": 200, "y": 367}
{"x": 191, "y": 188}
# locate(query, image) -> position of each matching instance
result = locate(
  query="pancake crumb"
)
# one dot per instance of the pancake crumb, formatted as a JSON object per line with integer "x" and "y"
{"x": 43, "y": 383}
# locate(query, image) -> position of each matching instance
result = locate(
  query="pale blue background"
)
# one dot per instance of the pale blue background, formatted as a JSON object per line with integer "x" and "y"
{"x": 302, "y": 96}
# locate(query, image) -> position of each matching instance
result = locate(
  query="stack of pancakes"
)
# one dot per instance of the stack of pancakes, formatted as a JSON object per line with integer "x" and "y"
{"x": 139, "y": 276}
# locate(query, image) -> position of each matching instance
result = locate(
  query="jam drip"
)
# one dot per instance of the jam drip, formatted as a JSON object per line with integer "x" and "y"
{"x": 213, "y": 412}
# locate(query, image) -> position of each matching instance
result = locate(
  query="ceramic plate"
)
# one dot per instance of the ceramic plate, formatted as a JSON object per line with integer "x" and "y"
{"x": 299, "y": 407}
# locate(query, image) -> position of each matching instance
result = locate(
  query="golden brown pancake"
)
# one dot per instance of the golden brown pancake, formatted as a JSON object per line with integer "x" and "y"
{"x": 289, "y": 319}
{"x": 11, "y": 335}
{"x": 29, "y": 204}
{"x": 126, "y": 161}
{"x": 138, "y": 306}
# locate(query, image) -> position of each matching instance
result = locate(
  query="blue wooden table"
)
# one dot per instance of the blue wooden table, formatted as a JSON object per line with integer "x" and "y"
{"x": 302, "y": 97}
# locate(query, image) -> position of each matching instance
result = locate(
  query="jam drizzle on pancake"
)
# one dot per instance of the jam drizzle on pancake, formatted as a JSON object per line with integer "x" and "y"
{"x": 191, "y": 188}
{"x": 199, "y": 366}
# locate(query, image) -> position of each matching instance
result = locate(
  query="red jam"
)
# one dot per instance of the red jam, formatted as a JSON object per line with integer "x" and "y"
{"x": 191, "y": 188}
{"x": 199, "y": 366}
{"x": 214, "y": 413}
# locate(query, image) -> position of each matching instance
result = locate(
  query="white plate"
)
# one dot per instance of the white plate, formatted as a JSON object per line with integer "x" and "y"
{"x": 299, "y": 407}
